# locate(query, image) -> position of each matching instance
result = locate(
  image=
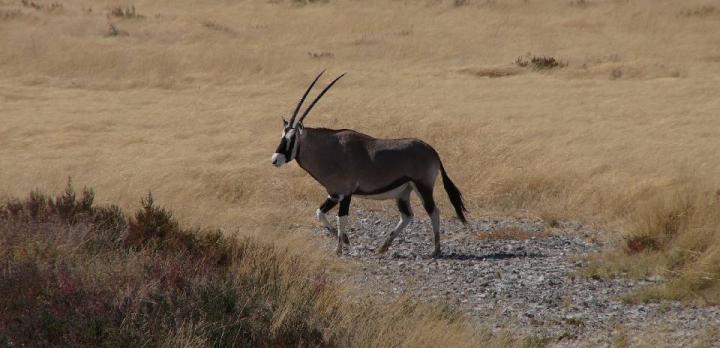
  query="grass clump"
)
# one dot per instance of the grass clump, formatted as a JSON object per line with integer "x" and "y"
{"x": 673, "y": 235}
{"x": 580, "y": 3}
{"x": 67, "y": 207}
{"x": 699, "y": 11}
{"x": 76, "y": 274}
{"x": 308, "y": 2}
{"x": 127, "y": 12}
{"x": 10, "y": 14}
{"x": 213, "y": 25}
{"x": 539, "y": 62}
{"x": 42, "y": 7}
{"x": 321, "y": 55}
{"x": 113, "y": 30}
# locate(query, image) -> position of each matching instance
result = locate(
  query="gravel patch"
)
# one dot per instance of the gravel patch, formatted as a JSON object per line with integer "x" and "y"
{"x": 517, "y": 273}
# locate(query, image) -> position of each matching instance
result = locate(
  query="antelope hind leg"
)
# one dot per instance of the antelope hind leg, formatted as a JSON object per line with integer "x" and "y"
{"x": 435, "y": 219}
{"x": 426, "y": 193}
{"x": 406, "y": 216}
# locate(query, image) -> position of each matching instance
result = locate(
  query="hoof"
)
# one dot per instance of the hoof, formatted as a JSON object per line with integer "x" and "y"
{"x": 382, "y": 249}
{"x": 436, "y": 254}
{"x": 338, "y": 251}
{"x": 333, "y": 232}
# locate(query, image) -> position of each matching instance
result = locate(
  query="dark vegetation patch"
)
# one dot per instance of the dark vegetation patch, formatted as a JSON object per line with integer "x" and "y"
{"x": 485, "y": 3}
{"x": 699, "y": 11}
{"x": 492, "y": 72}
{"x": 580, "y": 3}
{"x": 307, "y": 2}
{"x": 10, "y": 14}
{"x": 114, "y": 30}
{"x": 405, "y": 32}
{"x": 73, "y": 273}
{"x": 127, "y": 12}
{"x": 539, "y": 62}
{"x": 53, "y": 6}
{"x": 321, "y": 55}
{"x": 76, "y": 274}
{"x": 213, "y": 25}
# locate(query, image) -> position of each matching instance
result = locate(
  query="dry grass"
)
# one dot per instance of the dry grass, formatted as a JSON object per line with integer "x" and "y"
{"x": 72, "y": 274}
{"x": 193, "y": 113}
{"x": 539, "y": 62}
{"x": 127, "y": 12}
{"x": 699, "y": 11}
{"x": 675, "y": 235}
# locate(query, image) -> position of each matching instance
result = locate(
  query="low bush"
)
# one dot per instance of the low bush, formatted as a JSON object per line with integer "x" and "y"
{"x": 76, "y": 274}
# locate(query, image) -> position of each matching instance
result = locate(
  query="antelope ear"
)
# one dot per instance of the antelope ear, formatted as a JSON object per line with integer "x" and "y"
{"x": 285, "y": 123}
{"x": 300, "y": 127}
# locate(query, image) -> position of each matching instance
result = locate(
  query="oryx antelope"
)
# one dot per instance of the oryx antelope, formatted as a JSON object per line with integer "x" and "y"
{"x": 348, "y": 163}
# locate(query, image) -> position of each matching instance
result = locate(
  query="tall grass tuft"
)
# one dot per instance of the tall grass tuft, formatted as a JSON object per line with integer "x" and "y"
{"x": 673, "y": 235}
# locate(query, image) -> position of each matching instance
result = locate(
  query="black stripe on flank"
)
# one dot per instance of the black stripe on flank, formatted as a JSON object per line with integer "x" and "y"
{"x": 395, "y": 184}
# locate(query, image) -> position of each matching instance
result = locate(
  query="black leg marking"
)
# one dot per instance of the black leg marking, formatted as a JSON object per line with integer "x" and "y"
{"x": 426, "y": 193}
{"x": 404, "y": 207}
{"x": 330, "y": 203}
{"x": 342, "y": 222}
{"x": 344, "y": 206}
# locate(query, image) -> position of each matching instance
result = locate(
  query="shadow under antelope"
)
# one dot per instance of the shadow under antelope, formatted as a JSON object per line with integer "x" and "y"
{"x": 348, "y": 163}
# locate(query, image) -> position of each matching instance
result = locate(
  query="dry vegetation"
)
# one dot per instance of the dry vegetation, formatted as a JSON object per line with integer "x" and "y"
{"x": 626, "y": 134}
{"x": 74, "y": 274}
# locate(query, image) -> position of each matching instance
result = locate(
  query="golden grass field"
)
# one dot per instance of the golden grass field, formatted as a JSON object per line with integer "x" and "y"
{"x": 184, "y": 98}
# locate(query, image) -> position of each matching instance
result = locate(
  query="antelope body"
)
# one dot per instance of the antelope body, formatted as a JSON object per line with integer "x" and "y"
{"x": 348, "y": 163}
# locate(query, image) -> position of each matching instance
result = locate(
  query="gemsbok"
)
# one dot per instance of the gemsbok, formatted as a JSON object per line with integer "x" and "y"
{"x": 348, "y": 163}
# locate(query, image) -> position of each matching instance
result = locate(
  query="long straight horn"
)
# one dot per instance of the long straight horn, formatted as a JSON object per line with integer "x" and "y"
{"x": 297, "y": 109}
{"x": 307, "y": 111}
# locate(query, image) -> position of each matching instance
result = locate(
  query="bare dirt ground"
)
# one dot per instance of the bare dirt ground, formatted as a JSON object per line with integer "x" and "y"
{"x": 521, "y": 274}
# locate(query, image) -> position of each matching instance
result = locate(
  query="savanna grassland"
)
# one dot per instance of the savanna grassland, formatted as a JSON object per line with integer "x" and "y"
{"x": 184, "y": 99}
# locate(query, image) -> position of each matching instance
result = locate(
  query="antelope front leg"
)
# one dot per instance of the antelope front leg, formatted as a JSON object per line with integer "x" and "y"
{"x": 342, "y": 221}
{"x": 320, "y": 214}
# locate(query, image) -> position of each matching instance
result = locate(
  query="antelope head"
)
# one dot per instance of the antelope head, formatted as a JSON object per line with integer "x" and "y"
{"x": 287, "y": 149}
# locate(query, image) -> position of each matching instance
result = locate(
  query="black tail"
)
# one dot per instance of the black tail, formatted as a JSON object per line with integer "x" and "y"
{"x": 454, "y": 194}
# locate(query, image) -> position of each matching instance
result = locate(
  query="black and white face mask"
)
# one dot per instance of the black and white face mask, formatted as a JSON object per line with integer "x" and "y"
{"x": 287, "y": 149}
